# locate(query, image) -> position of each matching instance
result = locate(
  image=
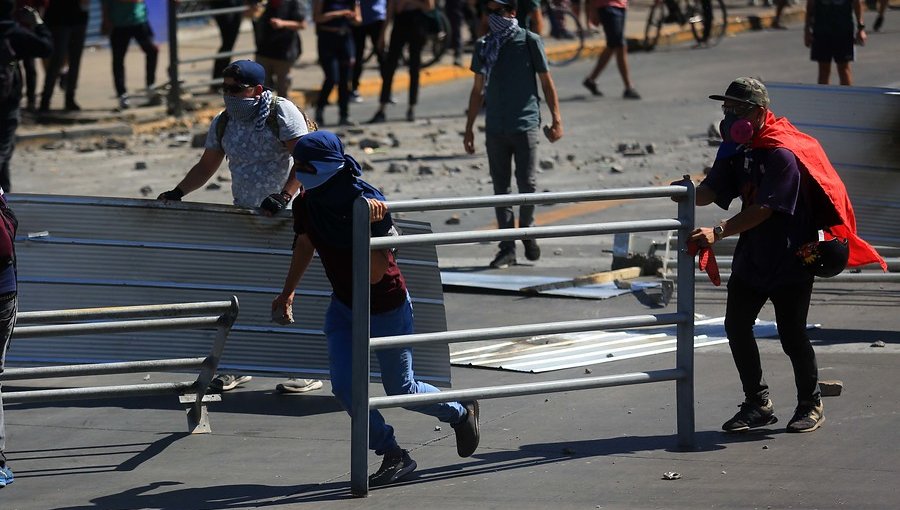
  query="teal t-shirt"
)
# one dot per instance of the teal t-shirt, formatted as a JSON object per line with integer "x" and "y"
{"x": 513, "y": 104}
{"x": 126, "y": 13}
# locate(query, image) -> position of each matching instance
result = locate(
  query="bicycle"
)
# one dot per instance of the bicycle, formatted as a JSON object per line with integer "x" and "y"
{"x": 562, "y": 24}
{"x": 702, "y": 19}
{"x": 435, "y": 44}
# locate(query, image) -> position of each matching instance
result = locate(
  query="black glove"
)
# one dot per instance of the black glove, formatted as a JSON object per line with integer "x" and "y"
{"x": 173, "y": 195}
{"x": 275, "y": 202}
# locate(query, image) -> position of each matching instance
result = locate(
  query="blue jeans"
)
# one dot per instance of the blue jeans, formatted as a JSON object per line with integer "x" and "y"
{"x": 396, "y": 369}
{"x": 7, "y": 322}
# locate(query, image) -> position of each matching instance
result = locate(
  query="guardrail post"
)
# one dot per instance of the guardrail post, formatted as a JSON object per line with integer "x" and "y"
{"x": 174, "y": 96}
{"x": 684, "y": 355}
{"x": 359, "y": 408}
{"x": 197, "y": 416}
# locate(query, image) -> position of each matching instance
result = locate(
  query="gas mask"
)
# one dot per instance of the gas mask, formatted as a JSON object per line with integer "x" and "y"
{"x": 734, "y": 128}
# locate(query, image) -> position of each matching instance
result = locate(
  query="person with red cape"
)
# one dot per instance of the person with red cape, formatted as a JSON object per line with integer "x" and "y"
{"x": 794, "y": 205}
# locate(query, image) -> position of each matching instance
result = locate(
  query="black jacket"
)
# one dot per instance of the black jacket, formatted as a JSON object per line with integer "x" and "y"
{"x": 36, "y": 43}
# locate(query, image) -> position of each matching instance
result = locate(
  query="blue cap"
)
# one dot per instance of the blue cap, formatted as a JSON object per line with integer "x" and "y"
{"x": 324, "y": 151}
{"x": 246, "y": 72}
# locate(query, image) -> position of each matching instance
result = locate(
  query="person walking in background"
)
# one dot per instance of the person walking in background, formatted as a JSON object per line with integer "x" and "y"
{"x": 229, "y": 27}
{"x": 278, "y": 43}
{"x": 125, "y": 20}
{"x": 28, "y": 64}
{"x": 331, "y": 184}
{"x": 791, "y": 197}
{"x": 505, "y": 63}
{"x": 611, "y": 14}
{"x": 67, "y": 21}
{"x": 373, "y": 14}
{"x": 879, "y": 20}
{"x": 407, "y": 18}
{"x": 830, "y": 35}
{"x": 23, "y": 34}
{"x": 334, "y": 22}
{"x": 256, "y": 133}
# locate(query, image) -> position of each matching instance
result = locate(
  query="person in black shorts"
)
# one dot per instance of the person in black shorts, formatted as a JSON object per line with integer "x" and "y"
{"x": 611, "y": 14}
{"x": 830, "y": 35}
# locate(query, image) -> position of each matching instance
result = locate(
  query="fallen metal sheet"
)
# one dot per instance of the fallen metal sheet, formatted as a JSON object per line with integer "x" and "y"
{"x": 514, "y": 283}
{"x": 546, "y": 353}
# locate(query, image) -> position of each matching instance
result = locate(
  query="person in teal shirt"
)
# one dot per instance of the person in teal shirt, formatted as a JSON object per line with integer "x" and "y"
{"x": 124, "y": 20}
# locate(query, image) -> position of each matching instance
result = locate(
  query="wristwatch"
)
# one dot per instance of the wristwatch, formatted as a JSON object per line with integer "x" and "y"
{"x": 860, "y": 26}
{"x": 718, "y": 232}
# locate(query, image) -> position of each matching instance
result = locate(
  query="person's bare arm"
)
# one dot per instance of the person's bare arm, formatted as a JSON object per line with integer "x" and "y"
{"x": 807, "y": 27}
{"x": 201, "y": 172}
{"x": 556, "y": 128}
{"x": 475, "y": 102}
{"x": 740, "y": 222}
{"x": 860, "y": 23}
{"x": 537, "y": 21}
{"x": 283, "y": 303}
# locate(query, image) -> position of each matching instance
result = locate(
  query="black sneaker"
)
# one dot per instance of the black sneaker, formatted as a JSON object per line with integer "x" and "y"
{"x": 378, "y": 118}
{"x": 394, "y": 468}
{"x": 807, "y": 418}
{"x": 532, "y": 250}
{"x": 467, "y": 435}
{"x": 631, "y": 94}
{"x": 751, "y": 416}
{"x": 592, "y": 86}
{"x": 504, "y": 259}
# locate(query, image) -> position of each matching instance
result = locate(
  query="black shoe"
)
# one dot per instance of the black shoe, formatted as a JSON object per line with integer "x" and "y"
{"x": 631, "y": 94}
{"x": 394, "y": 468}
{"x": 72, "y": 106}
{"x": 592, "y": 86}
{"x": 532, "y": 250}
{"x": 378, "y": 118}
{"x": 410, "y": 115}
{"x": 320, "y": 116}
{"x": 467, "y": 435}
{"x": 355, "y": 97}
{"x": 346, "y": 121}
{"x": 878, "y": 22}
{"x": 807, "y": 418}
{"x": 751, "y": 416}
{"x": 504, "y": 259}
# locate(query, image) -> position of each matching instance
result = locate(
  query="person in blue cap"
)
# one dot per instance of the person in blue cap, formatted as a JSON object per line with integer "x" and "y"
{"x": 331, "y": 183}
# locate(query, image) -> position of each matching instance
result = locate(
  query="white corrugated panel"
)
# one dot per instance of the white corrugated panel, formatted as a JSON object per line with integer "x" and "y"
{"x": 859, "y": 127}
{"x": 76, "y": 252}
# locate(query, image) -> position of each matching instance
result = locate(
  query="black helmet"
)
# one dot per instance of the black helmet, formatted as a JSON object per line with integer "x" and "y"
{"x": 825, "y": 258}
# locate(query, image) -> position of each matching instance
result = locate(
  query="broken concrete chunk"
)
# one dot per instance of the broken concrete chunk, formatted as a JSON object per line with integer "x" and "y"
{"x": 453, "y": 220}
{"x": 831, "y": 388}
{"x": 877, "y": 343}
{"x": 547, "y": 164}
{"x": 140, "y": 165}
{"x": 213, "y": 186}
{"x": 146, "y": 190}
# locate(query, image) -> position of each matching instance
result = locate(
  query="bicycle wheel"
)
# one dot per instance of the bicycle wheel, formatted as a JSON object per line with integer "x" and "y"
{"x": 655, "y": 22}
{"x": 435, "y": 44}
{"x": 562, "y": 24}
{"x": 708, "y": 22}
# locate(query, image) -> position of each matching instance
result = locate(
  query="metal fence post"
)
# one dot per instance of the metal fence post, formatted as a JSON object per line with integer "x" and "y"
{"x": 684, "y": 354}
{"x": 359, "y": 408}
{"x": 174, "y": 96}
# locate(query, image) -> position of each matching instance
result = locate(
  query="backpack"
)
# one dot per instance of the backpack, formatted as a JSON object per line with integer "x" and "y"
{"x": 9, "y": 69}
{"x": 271, "y": 121}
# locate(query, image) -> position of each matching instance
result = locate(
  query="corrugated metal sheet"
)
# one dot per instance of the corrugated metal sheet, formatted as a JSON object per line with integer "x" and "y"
{"x": 545, "y": 353}
{"x": 859, "y": 127}
{"x": 77, "y": 252}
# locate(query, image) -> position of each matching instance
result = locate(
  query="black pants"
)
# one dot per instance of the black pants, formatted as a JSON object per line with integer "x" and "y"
{"x": 336, "y": 55}
{"x": 408, "y": 30}
{"x": 68, "y": 44}
{"x": 229, "y": 27}
{"x": 454, "y": 11}
{"x": 119, "y": 39}
{"x": 8, "y": 126}
{"x": 791, "y": 303}
{"x": 360, "y": 33}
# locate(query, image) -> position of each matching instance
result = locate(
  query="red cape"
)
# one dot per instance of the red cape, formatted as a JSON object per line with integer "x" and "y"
{"x": 779, "y": 132}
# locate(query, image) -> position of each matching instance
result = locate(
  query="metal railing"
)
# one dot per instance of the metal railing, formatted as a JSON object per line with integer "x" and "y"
{"x": 192, "y": 394}
{"x": 362, "y": 343}
{"x": 179, "y": 10}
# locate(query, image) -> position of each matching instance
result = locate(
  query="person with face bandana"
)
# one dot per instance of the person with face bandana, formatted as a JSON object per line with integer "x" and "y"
{"x": 259, "y": 161}
{"x": 331, "y": 184}
{"x": 791, "y": 195}
{"x": 505, "y": 62}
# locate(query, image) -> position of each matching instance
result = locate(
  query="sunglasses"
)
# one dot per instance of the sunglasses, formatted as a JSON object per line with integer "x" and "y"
{"x": 235, "y": 88}
{"x": 739, "y": 110}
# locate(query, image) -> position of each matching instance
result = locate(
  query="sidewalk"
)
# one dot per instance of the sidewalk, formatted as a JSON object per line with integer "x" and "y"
{"x": 98, "y": 102}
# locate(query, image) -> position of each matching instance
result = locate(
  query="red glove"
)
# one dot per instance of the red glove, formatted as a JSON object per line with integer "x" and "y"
{"x": 707, "y": 261}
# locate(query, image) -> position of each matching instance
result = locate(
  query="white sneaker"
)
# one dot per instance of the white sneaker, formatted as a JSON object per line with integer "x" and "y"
{"x": 298, "y": 385}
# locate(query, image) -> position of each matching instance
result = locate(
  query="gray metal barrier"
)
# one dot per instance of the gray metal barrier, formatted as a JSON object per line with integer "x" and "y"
{"x": 179, "y": 10}
{"x": 116, "y": 320}
{"x": 683, "y": 373}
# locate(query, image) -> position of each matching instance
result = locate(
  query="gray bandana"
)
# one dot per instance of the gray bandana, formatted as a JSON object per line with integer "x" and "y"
{"x": 255, "y": 109}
